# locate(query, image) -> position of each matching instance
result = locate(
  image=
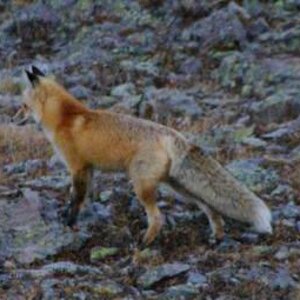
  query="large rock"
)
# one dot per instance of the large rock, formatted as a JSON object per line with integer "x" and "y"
{"x": 36, "y": 22}
{"x": 286, "y": 133}
{"x": 145, "y": 68}
{"x": 255, "y": 177}
{"x": 287, "y": 41}
{"x": 30, "y": 228}
{"x": 180, "y": 291}
{"x": 241, "y": 72}
{"x": 277, "y": 108}
{"x": 254, "y": 76}
{"x": 81, "y": 288}
{"x": 155, "y": 275}
{"x": 221, "y": 29}
{"x": 166, "y": 101}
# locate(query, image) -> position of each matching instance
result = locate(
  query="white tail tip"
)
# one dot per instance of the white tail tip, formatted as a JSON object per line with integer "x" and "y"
{"x": 262, "y": 219}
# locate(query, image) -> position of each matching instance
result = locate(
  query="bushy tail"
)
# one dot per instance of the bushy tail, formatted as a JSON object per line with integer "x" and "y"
{"x": 204, "y": 178}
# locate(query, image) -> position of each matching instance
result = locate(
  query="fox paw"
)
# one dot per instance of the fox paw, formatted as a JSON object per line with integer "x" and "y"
{"x": 215, "y": 239}
{"x": 68, "y": 216}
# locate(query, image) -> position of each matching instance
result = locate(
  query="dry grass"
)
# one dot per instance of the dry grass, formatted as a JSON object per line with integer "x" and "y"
{"x": 22, "y": 2}
{"x": 10, "y": 86}
{"x": 21, "y": 143}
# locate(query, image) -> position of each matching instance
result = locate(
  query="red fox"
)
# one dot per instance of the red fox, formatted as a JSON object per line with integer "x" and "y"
{"x": 150, "y": 154}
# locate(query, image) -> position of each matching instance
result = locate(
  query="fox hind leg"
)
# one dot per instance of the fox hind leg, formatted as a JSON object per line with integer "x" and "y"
{"x": 146, "y": 195}
{"x": 146, "y": 172}
{"x": 215, "y": 219}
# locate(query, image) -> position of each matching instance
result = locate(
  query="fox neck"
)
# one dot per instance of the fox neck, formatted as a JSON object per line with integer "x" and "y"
{"x": 60, "y": 113}
{"x": 49, "y": 117}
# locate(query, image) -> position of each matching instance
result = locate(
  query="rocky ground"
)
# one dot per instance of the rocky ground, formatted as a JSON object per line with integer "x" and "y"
{"x": 226, "y": 74}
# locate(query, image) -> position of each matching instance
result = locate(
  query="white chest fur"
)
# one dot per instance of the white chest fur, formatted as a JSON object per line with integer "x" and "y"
{"x": 51, "y": 138}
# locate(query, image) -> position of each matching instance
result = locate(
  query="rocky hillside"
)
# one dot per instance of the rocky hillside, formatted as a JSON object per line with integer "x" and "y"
{"x": 226, "y": 74}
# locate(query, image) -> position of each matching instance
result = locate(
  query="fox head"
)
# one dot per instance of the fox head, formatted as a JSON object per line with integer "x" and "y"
{"x": 46, "y": 100}
{"x": 43, "y": 97}
{"x": 33, "y": 96}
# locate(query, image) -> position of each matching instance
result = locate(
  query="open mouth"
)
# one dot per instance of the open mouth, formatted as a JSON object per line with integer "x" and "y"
{"x": 22, "y": 115}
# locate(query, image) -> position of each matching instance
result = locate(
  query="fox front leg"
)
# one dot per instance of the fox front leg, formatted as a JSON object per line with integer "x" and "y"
{"x": 80, "y": 181}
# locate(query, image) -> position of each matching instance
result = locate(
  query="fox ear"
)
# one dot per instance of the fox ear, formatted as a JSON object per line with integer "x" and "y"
{"x": 37, "y": 71}
{"x": 33, "y": 78}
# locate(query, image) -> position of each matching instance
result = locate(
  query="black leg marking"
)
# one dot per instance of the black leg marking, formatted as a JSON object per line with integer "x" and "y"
{"x": 79, "y": 184}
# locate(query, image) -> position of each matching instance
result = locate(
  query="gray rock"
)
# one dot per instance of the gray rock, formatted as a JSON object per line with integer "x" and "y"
{"x": 220, "y": 29}
{"x": 254, "y": 142}
{"x": 241, "y": 71}
{"x": 291, "y": 211}
{"x": 49, "y": 288}
{"x": 58, "y": 182}
{"x": 80, "y": 92}
{"x": 250, "y": 237}
{"x": 27, "y": 237}
{"x": 192, "y": 8}
{"x": 239, "y": 11}
{"x": 282, "y": 253}
{"x": 290, "y": 223}
{"x": 279, "y": 107}
{"x": 255, "y": 177}
{"x": 64, "y": 4}
{"x": 228, "y": 135}
{"x": 257, "y": 27}
{"x": 282, "y": 280}
{"x": 226, "y": 275}
{"x": 293, "y": 5}
{"x": 228, "y": 245}
{"x": 126, "y": 89}
{"x": 298, "y": 226}
{"x": 128, "y": 104}
{"x": 6, "y": 192}
{"x": 259, "y": 77}
{"x": 286, "y": 133}
{"x": 156, "y": 274}
{"x": 278, "y": 279}
{"x": 55, "y": 163}
{"x": 88, "y": 289}
{"x": 35, "y": 22}
{"x": 284, "y": 191}
{"x": 262, "y": 250}
{"x": 146, "y": 68}
{"x": 166, "y": 101}
{"x": 180, "y": 292}
{"x": 254, "y": 8}
{"x": 295, "y": 154}
{"x": 287, "y": 41}
{"x": 196, "y": 278}
{"x": 28, "y": 167}
{"x": 278, "y": 135}
{"x": 101, "y": 211}
{"x": 105, "y": 196}
{"x": 191, "y": 66}
{"x": 61, "y": 268}
{"x": 107, "y": 288}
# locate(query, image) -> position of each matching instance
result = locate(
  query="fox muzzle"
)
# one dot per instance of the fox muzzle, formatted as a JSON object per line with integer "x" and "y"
{"x": 22, "y": 115}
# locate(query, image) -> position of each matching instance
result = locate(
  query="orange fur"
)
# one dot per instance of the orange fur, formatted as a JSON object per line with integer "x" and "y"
{"x": 150, "y": 153}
